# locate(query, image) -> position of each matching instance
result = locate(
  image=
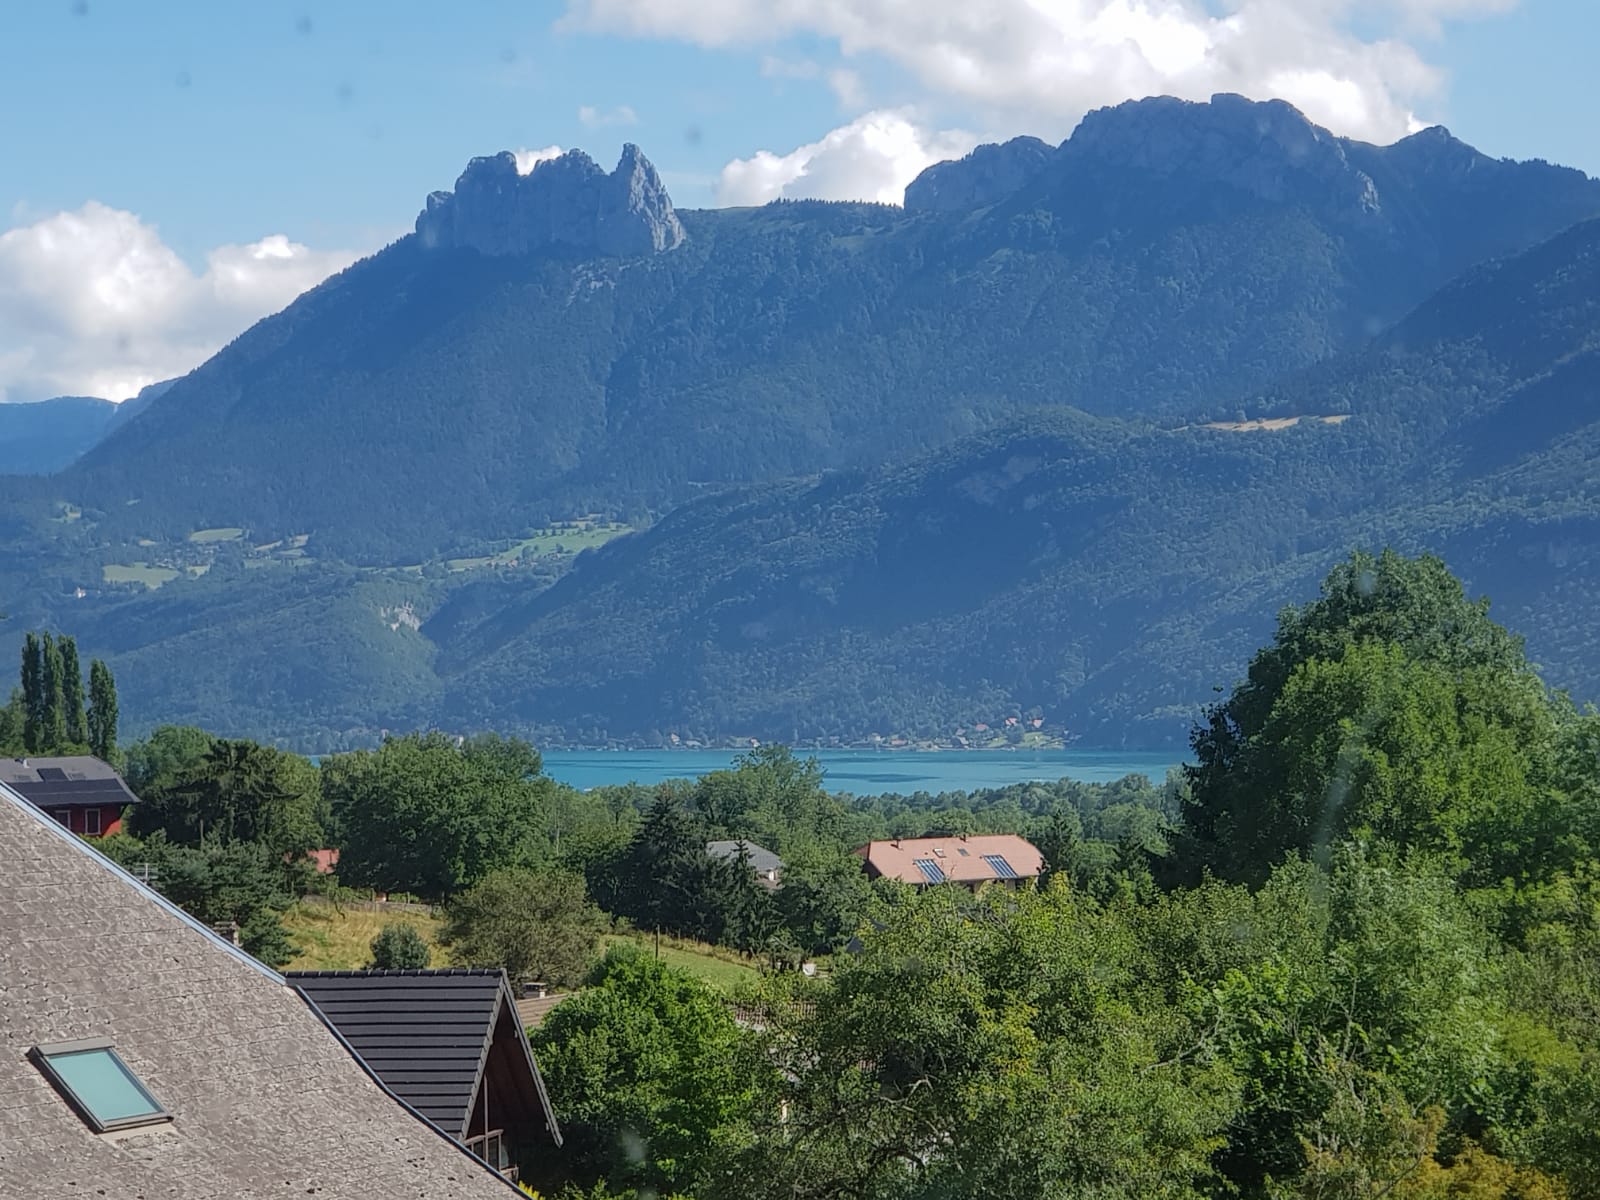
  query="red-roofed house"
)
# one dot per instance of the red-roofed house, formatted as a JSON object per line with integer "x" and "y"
{"x": 1002, "y": 858}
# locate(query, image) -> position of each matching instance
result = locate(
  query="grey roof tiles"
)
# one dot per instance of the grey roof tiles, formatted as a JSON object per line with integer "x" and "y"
{"x": 265, "y": 1099}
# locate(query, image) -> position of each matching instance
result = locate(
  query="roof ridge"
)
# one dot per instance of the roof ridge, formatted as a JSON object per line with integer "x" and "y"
{"x": 365, "y": 972}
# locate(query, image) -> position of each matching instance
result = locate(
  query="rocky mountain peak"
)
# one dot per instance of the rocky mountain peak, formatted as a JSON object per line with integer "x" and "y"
{"x": 568, "y": 201}
{"x": 1266, "y": 149}
{"x": 990, "y": 173}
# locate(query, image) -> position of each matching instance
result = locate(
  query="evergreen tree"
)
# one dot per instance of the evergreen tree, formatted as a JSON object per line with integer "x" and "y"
{"x": 33, "y": 693}
{"x": 72, "y": 693}
{"x": 53, "y": 735}
{"x": 102, "y": 711}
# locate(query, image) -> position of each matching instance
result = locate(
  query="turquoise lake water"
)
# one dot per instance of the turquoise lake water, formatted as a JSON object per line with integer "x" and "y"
{"x": 871, "y": 772}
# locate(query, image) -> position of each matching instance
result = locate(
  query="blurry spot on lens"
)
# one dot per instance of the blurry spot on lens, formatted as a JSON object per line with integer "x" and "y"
{"x": 303, "y": 26}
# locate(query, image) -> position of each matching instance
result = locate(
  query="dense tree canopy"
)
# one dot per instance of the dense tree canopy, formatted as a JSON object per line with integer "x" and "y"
{"x": 423, "y": 814}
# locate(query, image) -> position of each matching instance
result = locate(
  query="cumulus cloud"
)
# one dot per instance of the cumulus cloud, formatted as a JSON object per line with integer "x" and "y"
{"x": 872, "y": 158}
{"x": 595, "y": 118}
{"x": 527, "y": 160}
{"x": 93, "y": 302}
{"x": 1350, "y": 64}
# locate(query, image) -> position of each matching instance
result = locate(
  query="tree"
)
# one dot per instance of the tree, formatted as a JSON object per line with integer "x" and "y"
{"x": 216, "y": 884}
{"x": 508, "y": 757}
{"x": 419, "y": 815}
{"x": 399, "y": 947}
{"x": 536, "y": 925}
{"x": 985, "y": 1046}
{"x": 239, "y": 791}
{"x": 53, "y": 733}
{"x": 649, "y": 1076}
{"x": 34, "y": 699}
{"x": 102, "y": 722}
{"x": 13, "y": 725}
{"x": 77, "y": 732}
{"x": 1390, "y": 707}
{"x": 823, "y": 899}
{"x": 155, "y": 764}
{"x": 663, "y": 880}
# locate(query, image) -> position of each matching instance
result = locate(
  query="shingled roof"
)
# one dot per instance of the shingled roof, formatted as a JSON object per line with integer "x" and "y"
{"x": 66, "y": 782}
{"x": 428, "y": 1035}
{"x": 264, "y": 1098}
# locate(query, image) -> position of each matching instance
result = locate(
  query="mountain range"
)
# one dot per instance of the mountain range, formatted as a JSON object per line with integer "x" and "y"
{"x": 1056, "y": 438}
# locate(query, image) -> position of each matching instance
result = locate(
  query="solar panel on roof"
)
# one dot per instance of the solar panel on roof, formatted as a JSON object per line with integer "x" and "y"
{"x": 931, "y": 871}
{"x": 1001, "y": 868}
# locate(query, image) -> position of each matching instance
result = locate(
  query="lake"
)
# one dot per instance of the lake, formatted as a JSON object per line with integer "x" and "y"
{"x": 871, "y": 772}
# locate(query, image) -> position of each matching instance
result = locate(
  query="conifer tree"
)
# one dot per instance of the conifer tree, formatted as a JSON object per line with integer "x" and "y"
{"x": 72, "y": 692}
{"x": 102, "y": 711}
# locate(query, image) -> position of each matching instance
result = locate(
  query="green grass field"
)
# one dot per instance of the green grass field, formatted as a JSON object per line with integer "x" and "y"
{"x": 225, "y": 534}
{"x": 151, "y": 577}
{"x": 334, "y": 939}
{"x": 582, "y": 535}
{"x": 722, "y": 969}
{"x": 331, "y": 939}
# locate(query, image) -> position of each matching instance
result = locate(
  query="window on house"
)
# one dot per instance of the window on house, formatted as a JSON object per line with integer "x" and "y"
{"x": 961, "y": 852}
{"x": 491, "y": 1148}
{"x": 91, "y": 822}
{"x": 98, "y": 1084}
{"x": 63, "y": 817}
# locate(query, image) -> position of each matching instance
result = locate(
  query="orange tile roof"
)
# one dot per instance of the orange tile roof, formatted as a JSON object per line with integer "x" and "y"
{"x": 958, "y": 859}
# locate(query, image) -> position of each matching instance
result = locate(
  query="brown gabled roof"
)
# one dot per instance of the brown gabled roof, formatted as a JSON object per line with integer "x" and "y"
{"x": 972, "y": 859}
{"x": 265, "y": 1099}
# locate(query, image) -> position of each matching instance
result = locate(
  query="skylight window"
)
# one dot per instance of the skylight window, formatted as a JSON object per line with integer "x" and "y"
{"x": 98, "y": 1084}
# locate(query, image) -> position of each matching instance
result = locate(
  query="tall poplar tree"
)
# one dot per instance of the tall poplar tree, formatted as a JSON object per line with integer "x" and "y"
{"x": 33, "y": 693}
{"x": 54, "y": 734}
{"x": 102, "y": 711}
{"x": 72, "y": 692}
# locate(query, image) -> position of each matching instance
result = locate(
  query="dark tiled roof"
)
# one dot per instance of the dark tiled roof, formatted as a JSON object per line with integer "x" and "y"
{"x": 762, "y": 861}
{"x": 425, "y": 1033}
{"x": 76, "y": 781}
{"x": 265, "y": 1099}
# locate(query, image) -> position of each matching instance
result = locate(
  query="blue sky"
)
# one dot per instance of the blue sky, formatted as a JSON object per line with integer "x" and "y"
{"x": 170, "y": 170}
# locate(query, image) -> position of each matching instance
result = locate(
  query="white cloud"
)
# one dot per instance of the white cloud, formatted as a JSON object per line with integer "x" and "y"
{"x": 1040, "y": 64}
{"x": 527, "y": 160}
{"x": 92, "y": 302}
{"x": 872, "y": 158}
{"x": 594, "y": 118}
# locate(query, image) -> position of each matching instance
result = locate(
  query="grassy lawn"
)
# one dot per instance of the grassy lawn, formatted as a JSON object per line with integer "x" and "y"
{"x": 151, "y": 577}
{"x": 720, "y": 968}
{"x": 581, "y": 535}
{"x": 329, "y": 939}
{"x": 227, "y": 534}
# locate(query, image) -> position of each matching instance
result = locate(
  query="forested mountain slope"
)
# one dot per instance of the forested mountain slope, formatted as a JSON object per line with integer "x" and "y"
{"x": 38, "y": 438}
{"x": 563, "y": 342}
{"x": 1102, "y": 572}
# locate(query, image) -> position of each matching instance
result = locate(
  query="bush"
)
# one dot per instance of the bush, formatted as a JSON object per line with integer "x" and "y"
{"x": 400, "y": 948}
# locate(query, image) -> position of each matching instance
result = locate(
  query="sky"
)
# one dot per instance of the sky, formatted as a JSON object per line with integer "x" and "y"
{"x": 173, "y": 170}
